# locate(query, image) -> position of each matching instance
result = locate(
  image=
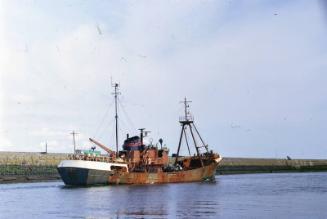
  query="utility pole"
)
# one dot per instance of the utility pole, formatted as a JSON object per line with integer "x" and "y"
{"x": 116, "y": 93}
{"x": 46, "y": 147}
{"x": 74, "y": 140}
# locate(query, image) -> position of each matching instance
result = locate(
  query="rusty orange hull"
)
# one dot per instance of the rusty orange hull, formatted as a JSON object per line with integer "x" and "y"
{"x": 194, "y": 175}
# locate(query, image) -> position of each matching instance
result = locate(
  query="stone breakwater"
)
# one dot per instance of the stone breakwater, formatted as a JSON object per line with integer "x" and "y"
{"x": 27, "y": 166}
{"x": 261, "y": 165}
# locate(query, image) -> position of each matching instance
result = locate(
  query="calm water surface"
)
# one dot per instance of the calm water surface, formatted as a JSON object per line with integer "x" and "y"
{"x": 296, "y": 195}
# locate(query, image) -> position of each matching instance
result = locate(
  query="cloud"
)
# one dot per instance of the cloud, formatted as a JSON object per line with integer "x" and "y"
{"x": 5, "y": 143}
{"x": 239, "y": 63}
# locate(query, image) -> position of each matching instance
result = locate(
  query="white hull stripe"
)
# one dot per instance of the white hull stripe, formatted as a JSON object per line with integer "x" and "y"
{"x": 94, "y": 165}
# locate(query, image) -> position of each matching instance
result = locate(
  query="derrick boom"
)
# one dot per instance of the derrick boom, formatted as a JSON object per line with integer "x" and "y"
{"x": 101, "y": 146}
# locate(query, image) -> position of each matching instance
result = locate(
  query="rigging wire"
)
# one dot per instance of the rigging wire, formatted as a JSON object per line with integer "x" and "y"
{"x": 103, "y": 119}
{"x": 128, "y": 119}
{"x": 105, "y": 128}
{"x": 111, "y": 126}
{"x": 123, "y": 125}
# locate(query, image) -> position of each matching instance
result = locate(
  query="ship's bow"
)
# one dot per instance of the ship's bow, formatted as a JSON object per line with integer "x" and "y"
{"x": 80, "y": 172}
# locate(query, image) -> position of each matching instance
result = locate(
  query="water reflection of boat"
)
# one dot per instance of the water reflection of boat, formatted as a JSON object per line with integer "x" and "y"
{"x": 141, "y": 162}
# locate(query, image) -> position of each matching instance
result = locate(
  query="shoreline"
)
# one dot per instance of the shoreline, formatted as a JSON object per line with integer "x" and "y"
{"x": 20, "y": 167}
{"x": 27, "y": 179}
{"x": 35, "y": 179}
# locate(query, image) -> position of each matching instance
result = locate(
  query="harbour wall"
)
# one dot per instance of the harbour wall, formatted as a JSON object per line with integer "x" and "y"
{"x": 27, "y": 166}
{"x": 268, "y": 165}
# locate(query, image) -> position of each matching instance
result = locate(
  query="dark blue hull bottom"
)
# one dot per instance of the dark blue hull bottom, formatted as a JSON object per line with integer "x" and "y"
{"x": 83, "y": 177}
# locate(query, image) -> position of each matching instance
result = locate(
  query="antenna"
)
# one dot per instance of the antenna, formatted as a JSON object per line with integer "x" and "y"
{"x": 186, "y": 109}
{"x": 74, "y": 140}
{"x": 116, "y": 93}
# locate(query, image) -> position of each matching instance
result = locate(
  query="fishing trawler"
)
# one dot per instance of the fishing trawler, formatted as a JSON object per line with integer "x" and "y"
{"x": 141, "y": 162}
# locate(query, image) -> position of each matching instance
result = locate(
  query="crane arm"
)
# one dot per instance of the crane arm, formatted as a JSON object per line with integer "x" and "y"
{"x": 101, "y": 146}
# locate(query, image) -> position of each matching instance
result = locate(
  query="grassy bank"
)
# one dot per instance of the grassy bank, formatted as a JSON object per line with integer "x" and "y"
{"x": 29, "y": 167}
{"x": 31, "y": 158}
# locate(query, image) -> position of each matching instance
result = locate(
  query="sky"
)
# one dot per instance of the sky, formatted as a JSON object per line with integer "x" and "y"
{"x": 254, "y": 70}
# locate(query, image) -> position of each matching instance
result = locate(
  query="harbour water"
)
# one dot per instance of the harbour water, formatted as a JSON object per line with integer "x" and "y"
{"x": 284, "y": 195}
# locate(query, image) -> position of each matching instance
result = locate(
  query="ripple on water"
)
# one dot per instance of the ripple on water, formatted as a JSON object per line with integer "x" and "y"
{"x": 232, "y": 196}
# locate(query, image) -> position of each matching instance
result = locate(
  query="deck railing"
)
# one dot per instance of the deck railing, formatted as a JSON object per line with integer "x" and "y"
{"x": 189, "y": 118}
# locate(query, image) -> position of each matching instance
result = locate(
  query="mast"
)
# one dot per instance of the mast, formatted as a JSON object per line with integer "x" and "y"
{"x": 116, "y": 93}
{"x": 187, "y": 121}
